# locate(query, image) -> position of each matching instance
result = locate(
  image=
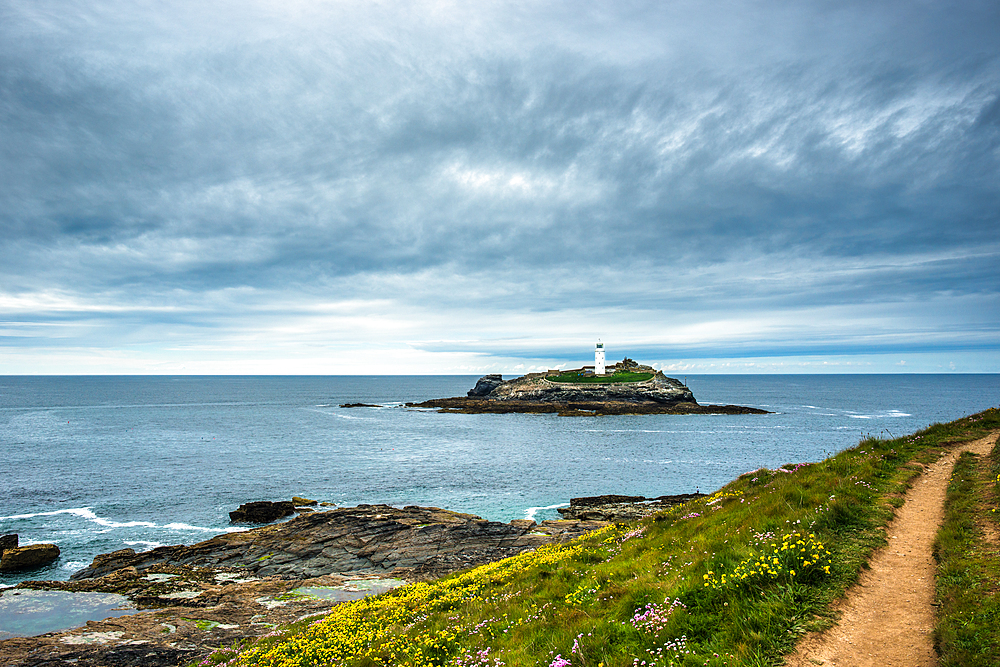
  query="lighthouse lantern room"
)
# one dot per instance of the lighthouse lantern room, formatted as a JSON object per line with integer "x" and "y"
{"x": 599, "y": 359}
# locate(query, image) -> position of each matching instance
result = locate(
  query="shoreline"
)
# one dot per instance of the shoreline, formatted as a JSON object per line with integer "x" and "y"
{"x": 472, "y": 406}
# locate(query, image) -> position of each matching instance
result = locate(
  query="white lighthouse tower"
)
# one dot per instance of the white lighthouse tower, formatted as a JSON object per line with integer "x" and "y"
{"x": 599, "y": 359}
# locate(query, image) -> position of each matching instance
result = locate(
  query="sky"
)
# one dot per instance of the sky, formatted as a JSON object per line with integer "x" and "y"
{"x": 307, "y": 187}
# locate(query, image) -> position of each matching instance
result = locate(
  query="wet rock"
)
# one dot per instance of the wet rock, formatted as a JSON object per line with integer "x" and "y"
{"x": 29, "y": 557}
{"x": 263, "y": 511}
{"x": 8, "y": 542}
{"x": 486, "y": 384}
{"x": 303, "y": 502}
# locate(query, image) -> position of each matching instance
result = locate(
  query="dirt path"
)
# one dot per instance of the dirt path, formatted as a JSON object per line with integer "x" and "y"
{"x": 887, "y": 618}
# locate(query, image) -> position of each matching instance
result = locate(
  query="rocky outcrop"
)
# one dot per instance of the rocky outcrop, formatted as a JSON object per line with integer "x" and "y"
{"x": 263, "y": 511}
{"x": 486, "y": 384}
{"x": 413, "y": 543}
{"x": 8, "y": 542}
{"x": 29, "y": 557}
{"x": 659, "y": 389}
{"x": 621, "y": 508}
{"x": 655, "y": 393}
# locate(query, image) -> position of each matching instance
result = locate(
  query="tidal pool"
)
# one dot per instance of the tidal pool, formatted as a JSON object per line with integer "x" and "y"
{"x": 25, "y": 613}
{"x": 354, "y": 589}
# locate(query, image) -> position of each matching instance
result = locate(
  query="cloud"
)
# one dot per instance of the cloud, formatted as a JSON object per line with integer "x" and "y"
{"x": 193, "y": 167}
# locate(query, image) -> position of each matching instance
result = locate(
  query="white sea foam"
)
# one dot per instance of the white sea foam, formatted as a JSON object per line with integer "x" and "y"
{"x": 187, "y": 526}
{"x": 532, "y": 511}
{"x": 144, "y": 543}
{"x": 881, "y": 415}
{"x": 82, "y": 512}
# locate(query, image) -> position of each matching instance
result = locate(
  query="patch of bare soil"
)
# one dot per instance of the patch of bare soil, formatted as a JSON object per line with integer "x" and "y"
{"x": 887, "y": 619}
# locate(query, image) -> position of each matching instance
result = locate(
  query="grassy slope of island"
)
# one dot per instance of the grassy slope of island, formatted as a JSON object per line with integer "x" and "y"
{"x": 618, "y": 377}
{"x": 731, "y": 579}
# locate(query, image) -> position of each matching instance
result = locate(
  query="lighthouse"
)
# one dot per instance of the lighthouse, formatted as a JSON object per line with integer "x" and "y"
{"x": 599, "y": 359}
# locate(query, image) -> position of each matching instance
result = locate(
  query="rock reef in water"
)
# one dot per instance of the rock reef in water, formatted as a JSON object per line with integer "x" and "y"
{"x": 14, "y": 558}
{"x": 262, "y": 511}
{"x": 603, "y": 395}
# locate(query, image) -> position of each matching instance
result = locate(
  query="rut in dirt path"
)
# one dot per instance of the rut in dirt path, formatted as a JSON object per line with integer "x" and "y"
{"x": 887, "y": 619}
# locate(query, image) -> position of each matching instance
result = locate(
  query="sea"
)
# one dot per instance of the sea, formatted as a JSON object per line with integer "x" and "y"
{"x": 100, "y": 463}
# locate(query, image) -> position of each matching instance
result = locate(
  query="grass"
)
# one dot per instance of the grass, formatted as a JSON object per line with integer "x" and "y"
{"x": 968, "y": 631}
{"x": 614, "y": 378}
{"x": 731, "y": 579}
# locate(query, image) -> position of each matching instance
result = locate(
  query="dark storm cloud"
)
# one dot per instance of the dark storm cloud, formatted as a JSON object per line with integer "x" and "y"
{"x": 747, "y": 155}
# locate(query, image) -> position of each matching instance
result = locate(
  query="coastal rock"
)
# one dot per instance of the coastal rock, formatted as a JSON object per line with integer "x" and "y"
{"x": 303, "y": 502}
{"x": 412, "y": 543}
{"x": 263, "y": 511}
{"x": 238, "y": 586}
{"x": 8, "y": 542}
{"x": 26, "y": 558}
{"x": 189, "y": 613}
{"x": 621, "y": 508}
{"x": 486, "y": 384}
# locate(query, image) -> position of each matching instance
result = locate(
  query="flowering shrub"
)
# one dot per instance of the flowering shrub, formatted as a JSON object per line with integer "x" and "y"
{"x": 653, "y": 617}
{"x": 667, "y": 655}
{"x": 719, "y": 496}
{"x": 797, "y": 556}
{"x": 582, "y": 594}
{"x": 479, "y": 659}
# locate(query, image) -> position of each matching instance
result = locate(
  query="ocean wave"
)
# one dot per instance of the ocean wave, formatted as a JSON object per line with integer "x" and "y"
{"x": 890, "y": 414}
{"x": 82, "y": 512}
{"x": 88, "y": 515}
{"x": 532, "y": 511}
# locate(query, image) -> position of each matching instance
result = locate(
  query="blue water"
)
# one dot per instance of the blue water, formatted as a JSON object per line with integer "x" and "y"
{"x": 96, "y": 464}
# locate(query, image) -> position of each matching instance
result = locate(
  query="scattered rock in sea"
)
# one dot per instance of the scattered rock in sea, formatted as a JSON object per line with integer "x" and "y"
{"x": 263, "y": 511}
{"x": 29, "y": 557}
{"x": 359, "y": 405}
{"x": 298, "y": 501}
{"x": 621, "y": 508}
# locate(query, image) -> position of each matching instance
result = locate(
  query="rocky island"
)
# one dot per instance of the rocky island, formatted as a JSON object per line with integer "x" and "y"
{"x": 629, "y": 388}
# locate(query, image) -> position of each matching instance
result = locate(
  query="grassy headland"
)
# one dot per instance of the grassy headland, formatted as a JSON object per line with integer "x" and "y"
{"x": 618, "y": 377}
{"x": 731, "y": 579}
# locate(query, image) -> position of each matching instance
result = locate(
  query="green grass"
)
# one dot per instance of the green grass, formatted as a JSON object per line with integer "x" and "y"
{"x": 731, "y": 579}
{"x": 615, "y": 378}
{"x": 968, "y": 630}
